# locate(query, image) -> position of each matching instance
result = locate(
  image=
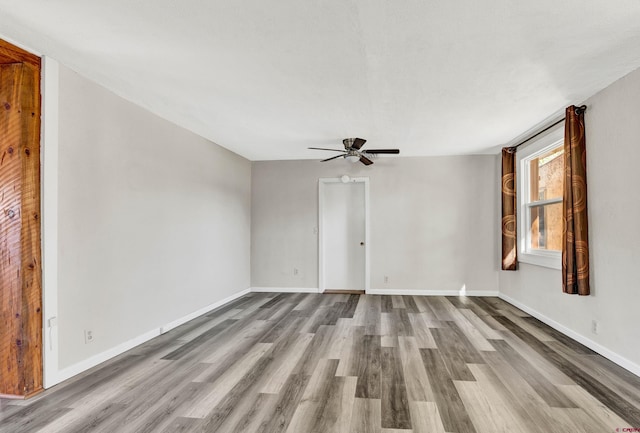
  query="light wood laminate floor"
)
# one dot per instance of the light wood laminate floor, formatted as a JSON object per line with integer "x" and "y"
{"x": 345, "y": 363}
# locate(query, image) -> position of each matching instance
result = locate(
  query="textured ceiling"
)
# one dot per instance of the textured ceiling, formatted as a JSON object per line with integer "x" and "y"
{"x": 268, "y": 79}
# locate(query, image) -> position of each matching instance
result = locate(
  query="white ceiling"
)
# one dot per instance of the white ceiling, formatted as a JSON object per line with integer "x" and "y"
{"x": 268, "y": 79}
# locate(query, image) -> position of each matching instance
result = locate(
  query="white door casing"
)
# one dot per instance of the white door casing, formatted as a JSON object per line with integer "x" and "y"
{"x": 343, "y": 234}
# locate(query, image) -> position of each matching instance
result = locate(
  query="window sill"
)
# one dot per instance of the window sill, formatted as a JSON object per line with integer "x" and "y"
{"x": 553, "y": 261}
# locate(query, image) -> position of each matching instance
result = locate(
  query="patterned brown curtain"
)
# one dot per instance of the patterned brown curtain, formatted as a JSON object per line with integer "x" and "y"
{"x": 575, "y": 239}
{"x": 509, "y": 242}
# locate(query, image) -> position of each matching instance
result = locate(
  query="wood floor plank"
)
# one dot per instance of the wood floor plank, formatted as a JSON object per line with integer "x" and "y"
{"x": 541, "y": 364}
{"x": 316, "y": 350}
{"x": 98, "y": 420}
{"x": 487, "y": 331}
{"x": 485, "y": 413}
{"x": 366, "y": 416}
{"x": 183, "y": 425}
{"x": 441, "y": 307}
{"x": 278, "y": 420}
{"x": 165, "y": 410}
{"x": 350, "y": 307}
{"x": 601, "y": 392}
{"x": 386, "y": 304}
{"x": 394, "y": 400}
{"x": 486, "y": 306}
{"x": 315, "y": 397}
{"x": 539, "y": 333}
{"x": 416, "y": 379}
{"x": 197, "y": 342}
{"x": 223, "y": 386}
{"x": 231, "y": 400}
{"x": 473, "y": 334}
{"x": 577, "y": 420}
{"x": 251, "y": 413}
{"x": 372, "y": 316}
{"x": 333, "y": 414}
{"x": 425, "y": 417}
{"x": 422, "y": 334}
{"x": 559, "y": 337}
{"x": 397, "y": 302}
{"x": 501, "y": 305}
{"x": 288, "y": 360}
{"x": 453, "y": 354}
{"x": 552, "y": 395}
{"x": 595, "y": 411}
{"x": 508, "y": 403}
{"x": 34, "y": 423}
{"x": 367, "y": 365}
{"x": 410, "y": 304}
{"x": 342, "y": 339}
{"x": 624, "y": 382}
{"x": 450, "y": 406}
{"x": 147, "y": 379}
{"x": 371, "y": 364}
{"x": 348, "y": 351}
{"x": 424, "y": 307}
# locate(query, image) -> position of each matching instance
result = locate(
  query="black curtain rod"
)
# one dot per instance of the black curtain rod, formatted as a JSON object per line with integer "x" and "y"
{"x": 579, "y": 110}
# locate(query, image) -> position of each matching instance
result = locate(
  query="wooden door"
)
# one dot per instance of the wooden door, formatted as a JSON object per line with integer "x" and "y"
{"x": 20, "y": 256}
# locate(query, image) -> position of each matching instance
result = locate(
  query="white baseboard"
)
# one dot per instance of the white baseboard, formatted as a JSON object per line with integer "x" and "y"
{"x": 432, "y": 292}
{"x": 75, "y": 369}
{"x": 285, "y": 289}
{"x": 383, "y": 291}
{"x": 596, "y": 347}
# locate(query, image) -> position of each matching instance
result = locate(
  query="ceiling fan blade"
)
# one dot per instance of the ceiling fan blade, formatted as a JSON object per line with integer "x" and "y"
{"x": 322, "y": 148}
{"x": 389, "y": 151}
{"x": 333, "y": 157}
{"x": 358, "y": 143}
{"x": 365, "y": 160}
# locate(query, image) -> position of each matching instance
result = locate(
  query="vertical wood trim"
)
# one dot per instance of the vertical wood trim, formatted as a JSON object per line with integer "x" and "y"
{"x": 20, "y": 255}
{"x": 30, "y": 234}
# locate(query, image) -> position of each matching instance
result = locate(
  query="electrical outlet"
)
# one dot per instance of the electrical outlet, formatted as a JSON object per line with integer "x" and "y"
{"x": 295, "y": 271}
{"x": 386, "y": 279}
{"x": 595, "y": 327}
{"x": 88, "y": 336}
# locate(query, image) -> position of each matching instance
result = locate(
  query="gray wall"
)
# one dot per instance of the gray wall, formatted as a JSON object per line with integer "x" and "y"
{"x": 432, "y": 222}
{"x": 612, "y": 136}
{"x": 154, "y": 221}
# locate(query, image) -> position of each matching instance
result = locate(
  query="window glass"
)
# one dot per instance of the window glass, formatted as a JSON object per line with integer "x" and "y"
{"x": 544, "y": 206}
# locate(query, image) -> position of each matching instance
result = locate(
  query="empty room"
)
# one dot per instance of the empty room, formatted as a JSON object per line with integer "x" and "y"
{"x": 319, "y": 216}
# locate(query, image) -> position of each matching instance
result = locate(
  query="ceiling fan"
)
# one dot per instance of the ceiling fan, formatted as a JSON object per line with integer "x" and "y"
{"x": 352, "y": 151}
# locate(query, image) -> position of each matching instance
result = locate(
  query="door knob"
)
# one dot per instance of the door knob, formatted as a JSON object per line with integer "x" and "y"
{"x": 361, "y": 243}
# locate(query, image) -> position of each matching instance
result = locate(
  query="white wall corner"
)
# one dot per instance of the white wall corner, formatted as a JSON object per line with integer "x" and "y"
{"x": 596, "y": 347}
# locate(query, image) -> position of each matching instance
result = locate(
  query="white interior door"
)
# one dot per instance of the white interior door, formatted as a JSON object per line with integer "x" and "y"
{"x": 343, "y": 236}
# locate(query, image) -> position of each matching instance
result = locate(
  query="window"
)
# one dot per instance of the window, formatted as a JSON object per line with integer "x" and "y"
{"x": 540, "y": 188}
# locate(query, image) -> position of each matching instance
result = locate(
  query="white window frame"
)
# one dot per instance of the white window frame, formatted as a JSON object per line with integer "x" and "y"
{"x": 541, "y": 145}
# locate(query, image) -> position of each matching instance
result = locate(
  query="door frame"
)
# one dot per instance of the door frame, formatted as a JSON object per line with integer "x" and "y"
{"x": 322, "y": 182}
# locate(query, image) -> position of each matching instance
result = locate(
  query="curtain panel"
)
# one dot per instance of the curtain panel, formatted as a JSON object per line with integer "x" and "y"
{"x": 509, "y": 240}
{"x": 575, "y": 236}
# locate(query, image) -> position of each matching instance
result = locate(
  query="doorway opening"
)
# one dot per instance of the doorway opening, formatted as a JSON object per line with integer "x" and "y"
{"x": 343, "y": 235}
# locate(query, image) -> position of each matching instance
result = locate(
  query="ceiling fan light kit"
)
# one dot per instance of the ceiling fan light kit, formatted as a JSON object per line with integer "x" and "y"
{"x": 352, "y": 151}
{"x": 352, "y": 158}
